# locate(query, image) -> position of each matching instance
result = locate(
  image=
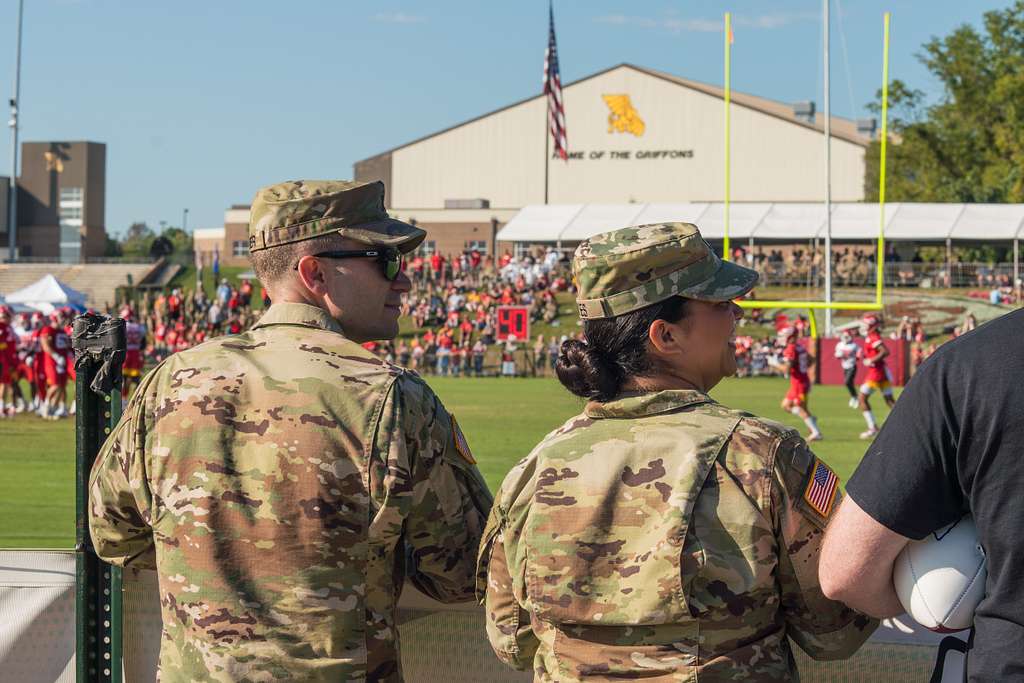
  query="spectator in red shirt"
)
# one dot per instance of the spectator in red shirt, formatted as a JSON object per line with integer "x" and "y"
{"x": 436, "y": 265}
{"x": 245, "y": 293}
{"x": 174, "y": 304}
{"x": 466, "y": 328}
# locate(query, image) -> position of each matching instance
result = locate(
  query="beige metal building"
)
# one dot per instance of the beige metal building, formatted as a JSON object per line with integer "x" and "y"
{"x": 635, "y": 135}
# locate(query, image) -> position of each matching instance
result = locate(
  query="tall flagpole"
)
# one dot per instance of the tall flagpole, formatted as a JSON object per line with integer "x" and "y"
{"x": 547, "y": 144}
{"x": 828, "y": 177}
{"x": 547, "y": 99}
{"x": 12, "y": 205}
{"x": 728, "y": 94}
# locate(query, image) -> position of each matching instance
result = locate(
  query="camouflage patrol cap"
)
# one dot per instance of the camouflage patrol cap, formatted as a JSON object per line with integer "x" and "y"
{"x": 624, "y": 270}
{"x": 298, "y": 210}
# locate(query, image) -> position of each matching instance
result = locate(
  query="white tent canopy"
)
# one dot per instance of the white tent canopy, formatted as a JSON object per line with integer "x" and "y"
{"x": 15, "y": 308}
{"x": 47, "y": 294}
{"x": 774, "y": 221}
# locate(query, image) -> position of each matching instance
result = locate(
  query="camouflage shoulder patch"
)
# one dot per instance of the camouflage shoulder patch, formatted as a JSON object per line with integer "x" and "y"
{"x": 461, "y": 445}
{"x": 821, "y": 488}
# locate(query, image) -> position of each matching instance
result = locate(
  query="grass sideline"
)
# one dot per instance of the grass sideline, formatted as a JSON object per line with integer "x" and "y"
{"x": 503, "y": 420}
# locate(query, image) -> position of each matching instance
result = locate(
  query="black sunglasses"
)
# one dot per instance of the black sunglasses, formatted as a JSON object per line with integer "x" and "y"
{"x": 390, "y": 260}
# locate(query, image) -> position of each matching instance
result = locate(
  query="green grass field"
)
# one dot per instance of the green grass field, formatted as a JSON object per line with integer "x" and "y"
{"x": 502, "y": 418}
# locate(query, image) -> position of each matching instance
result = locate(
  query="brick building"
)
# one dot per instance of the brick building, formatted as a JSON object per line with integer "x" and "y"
{"x": 61, "y": 201}
{"x": 230, "y": 241}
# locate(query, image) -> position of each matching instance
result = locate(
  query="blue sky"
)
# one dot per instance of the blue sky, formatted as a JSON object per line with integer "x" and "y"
{"x": 202, "y": 102}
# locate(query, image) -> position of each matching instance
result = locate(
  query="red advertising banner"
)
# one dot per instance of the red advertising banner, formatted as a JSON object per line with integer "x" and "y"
{"x": 513, "y": 321}
{"x": 831, "y": 372}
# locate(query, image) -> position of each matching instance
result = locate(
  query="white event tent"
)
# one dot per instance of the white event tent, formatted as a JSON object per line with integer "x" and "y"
{"x": 47, "y": 294}
{"x": 794, "y": 221}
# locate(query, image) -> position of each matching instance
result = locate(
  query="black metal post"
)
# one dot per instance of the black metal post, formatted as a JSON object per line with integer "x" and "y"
{"x": 99, "y": 344}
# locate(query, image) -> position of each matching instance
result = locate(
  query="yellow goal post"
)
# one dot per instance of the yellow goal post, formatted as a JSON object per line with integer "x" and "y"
{"x": 811, "y": 306}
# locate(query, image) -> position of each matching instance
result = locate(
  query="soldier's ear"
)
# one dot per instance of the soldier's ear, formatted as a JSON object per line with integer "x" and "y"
{"x": 665, "y": 337}
{"x": 312, "y": 275}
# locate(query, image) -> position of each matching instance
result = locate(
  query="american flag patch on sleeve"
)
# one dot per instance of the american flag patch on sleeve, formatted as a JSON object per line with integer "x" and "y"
{"x": 461, "y": 445}
{"x": 821, "y": 488}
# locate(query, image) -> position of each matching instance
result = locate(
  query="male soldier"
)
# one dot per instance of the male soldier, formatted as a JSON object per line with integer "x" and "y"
{"x": 284, "y": 481}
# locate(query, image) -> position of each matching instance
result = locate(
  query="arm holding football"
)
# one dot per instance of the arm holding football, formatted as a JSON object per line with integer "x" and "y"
{"x": 857, "y": 560}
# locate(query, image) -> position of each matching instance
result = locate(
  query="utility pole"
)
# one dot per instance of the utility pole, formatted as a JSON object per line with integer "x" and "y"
{"x": 12, "y": 204}
{"x": 828, "y": 179}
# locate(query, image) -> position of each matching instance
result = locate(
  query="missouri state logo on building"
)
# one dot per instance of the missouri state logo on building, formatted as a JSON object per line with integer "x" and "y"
{"x": 623, "y": 116}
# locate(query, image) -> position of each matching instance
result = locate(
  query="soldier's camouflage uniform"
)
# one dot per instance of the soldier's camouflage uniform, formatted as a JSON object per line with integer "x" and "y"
{"x": 661, "y": 536}
{"x": 285, "y": 482}
{"x": 282, "y": 482}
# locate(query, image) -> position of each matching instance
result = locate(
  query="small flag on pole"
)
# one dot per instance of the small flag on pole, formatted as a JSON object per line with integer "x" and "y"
{"x": 553, "y": 89}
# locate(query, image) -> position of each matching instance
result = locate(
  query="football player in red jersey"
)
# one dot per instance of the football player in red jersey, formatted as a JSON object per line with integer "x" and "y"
{"x": 8, "y": 363}
{"x": 55, "y": 345}
{"x": 35, "y": 359}
{"x": 135, "y": 337}
{"x": 878, "y": 377}
{"x": 27, "y": 357}
{"x": 796, "y": 364}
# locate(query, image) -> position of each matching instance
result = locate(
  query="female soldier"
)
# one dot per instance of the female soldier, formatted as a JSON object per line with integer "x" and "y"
{"x": 660, "y": 535}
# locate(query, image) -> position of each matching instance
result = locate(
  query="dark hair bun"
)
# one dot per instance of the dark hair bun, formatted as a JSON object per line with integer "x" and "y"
{"x": 584, "y": 372}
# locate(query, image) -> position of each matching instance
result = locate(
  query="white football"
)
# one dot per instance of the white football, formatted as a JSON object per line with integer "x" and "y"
{"x": 941, "y": 579}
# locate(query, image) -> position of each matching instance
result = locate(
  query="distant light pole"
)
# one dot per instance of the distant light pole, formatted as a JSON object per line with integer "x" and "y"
{"x": 184, "y": 220}
{"x": 12, "y": 204}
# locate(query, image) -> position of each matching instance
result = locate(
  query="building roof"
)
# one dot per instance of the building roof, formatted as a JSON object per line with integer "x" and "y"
{"x": 842, "y": 128}
{"x": 63, "y": 142}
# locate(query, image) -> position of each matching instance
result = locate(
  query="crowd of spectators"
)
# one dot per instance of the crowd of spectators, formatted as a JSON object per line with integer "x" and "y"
{"x": 454, "y": 305}
{"x": 453, "y": 309}
{"x": 854, "y": 266}
{"x": 179, "y": 320}
{"x": 851, "y": 267}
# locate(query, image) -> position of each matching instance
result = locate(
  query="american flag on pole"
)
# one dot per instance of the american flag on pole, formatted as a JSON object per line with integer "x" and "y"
{"x": 553, "y": 89}
{"x": 821, "y": 489}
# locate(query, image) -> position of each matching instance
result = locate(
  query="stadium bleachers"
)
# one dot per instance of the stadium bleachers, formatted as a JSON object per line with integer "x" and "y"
{"x": 98, "y": 281}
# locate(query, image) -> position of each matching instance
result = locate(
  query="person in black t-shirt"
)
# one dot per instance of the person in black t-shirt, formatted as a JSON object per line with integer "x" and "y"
{"x": 953, "y": 444}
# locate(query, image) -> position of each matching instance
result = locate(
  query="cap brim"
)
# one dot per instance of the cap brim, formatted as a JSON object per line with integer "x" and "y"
{"x": 730, "y": 281}
{"x": 386, "y": 233}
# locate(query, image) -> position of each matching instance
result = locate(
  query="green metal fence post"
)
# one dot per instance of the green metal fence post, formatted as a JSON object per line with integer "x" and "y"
{"x": 113, "y": 415}
{"x": 86, "y": 583}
